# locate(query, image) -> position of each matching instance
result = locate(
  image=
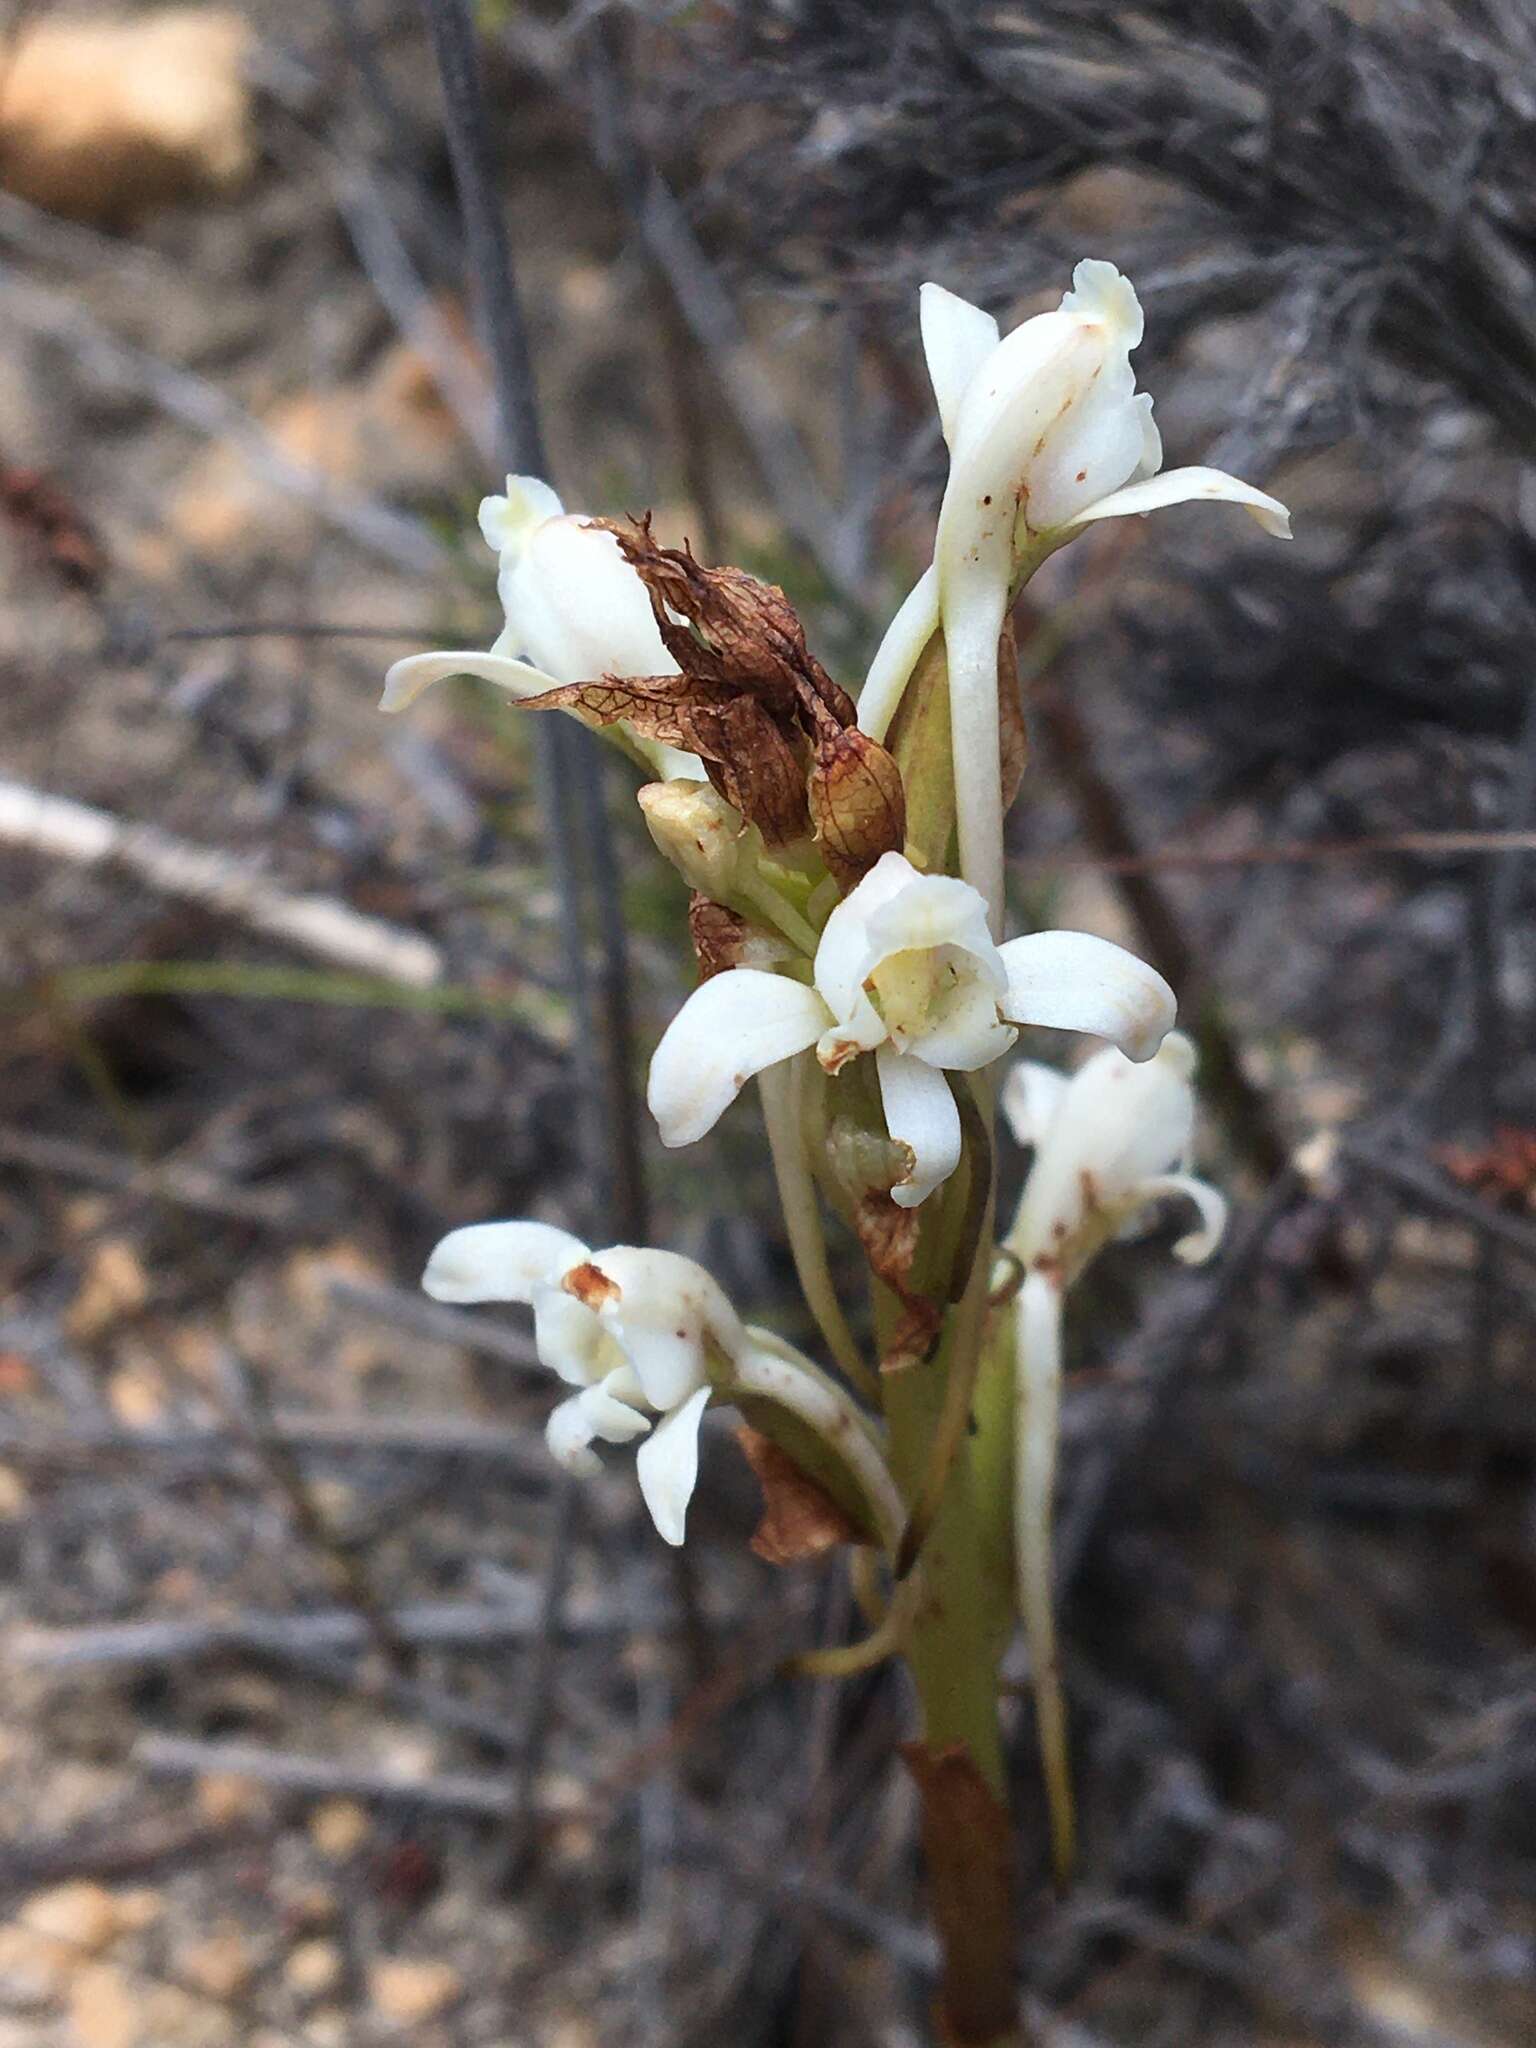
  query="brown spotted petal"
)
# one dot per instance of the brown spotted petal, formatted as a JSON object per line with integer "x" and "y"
{"x": 858, "y": 810}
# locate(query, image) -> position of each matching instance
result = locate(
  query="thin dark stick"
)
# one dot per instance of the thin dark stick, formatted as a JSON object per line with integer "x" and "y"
{"x": 568, "y": 781}
{"x": 571, "y": 792}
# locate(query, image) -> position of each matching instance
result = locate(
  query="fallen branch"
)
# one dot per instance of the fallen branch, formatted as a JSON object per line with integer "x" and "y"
{"x": 323, "y": 1777}
{"x": 444, "y": 1624}
{"x": 417, "y": 1436}
{"x": 317, "y": 925}
{"x": 188, "y": 1187}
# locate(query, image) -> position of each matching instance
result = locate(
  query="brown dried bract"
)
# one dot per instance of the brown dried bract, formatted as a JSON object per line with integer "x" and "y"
{"x": 752, "y": 763}
{"x": 722, "y": 940}
{"x": 800, "y": 1520}
{"x": 889, "y": 1235}
{"x": 777, "y": 736}
{"x": 858, "y": 809}
{"x": 968, "y": 1850}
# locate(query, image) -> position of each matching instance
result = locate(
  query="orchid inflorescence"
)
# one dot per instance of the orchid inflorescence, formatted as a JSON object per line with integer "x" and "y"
{"x": 846, "y": 867}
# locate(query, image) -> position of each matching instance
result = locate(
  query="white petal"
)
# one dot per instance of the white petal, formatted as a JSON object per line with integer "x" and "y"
{"x": 570, "y": 1339}
{"x": 1072, "y": 981}
{"x": 406, "y": 680}
{"x": 957, "y": 339}
{"x": 729, "y": 1029}
{"x": 898, "y": 654}
{"x": 1184, "y": 486}
{"x": 1211, "y": 1203}
{"x": 611, "y": 1408}
{"x": 843, "y": 957}
{"x": 1151, "y": 440}
{"x": 668, "y": 1464}
{"x": 500, "y": 1261}
{"x": 1030, "y": 1098}
{"x": 569, "y": 1434}
{"x": 930, "y": 910}
{"x": 920, "y": 1112}
{"x": 1101, "y": 292}
{"x": 507, "y": 522}
{"x": 577, "y": 608}
{"x": 666, "y": 1314}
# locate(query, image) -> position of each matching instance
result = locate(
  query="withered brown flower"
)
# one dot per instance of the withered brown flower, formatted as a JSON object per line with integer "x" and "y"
{"x": 776, "y": 734}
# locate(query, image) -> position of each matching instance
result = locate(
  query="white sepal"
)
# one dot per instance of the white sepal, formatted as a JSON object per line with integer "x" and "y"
{"x": 507, "y": 522}
{"x": 730, "y": 1028}
{"x": 957, "y": 339}
{"x": 915, "y": 623}
{"x": 1073, "y": 981}
{"x": 500, "y": 1261}
{"x": 1189, "y": 486}
{"x": 405, "y": 681}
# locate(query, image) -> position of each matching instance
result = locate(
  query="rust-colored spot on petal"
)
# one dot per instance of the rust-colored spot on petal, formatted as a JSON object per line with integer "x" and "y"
{"x": 591, "y": 1285}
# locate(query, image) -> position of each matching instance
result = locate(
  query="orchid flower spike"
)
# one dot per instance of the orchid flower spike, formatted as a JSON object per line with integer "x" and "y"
{"x": 906, "y": 968}
{"x": 1110, "y": 1143}
{"x": 575, "y": 612}
{"x": 1046, "y": 433}
{"x": 630, "y": 1329}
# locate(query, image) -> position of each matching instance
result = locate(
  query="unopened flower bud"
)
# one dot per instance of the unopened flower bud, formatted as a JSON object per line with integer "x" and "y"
{"x": 702, "y": 835}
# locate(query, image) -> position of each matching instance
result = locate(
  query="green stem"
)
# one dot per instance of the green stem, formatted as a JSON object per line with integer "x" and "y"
{"x": 782, "y": 1088}
{"x": 964, "y": 1613}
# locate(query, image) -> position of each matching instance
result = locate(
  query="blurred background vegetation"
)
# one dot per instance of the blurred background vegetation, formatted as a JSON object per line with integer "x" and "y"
{"x": 328, "y": 1716}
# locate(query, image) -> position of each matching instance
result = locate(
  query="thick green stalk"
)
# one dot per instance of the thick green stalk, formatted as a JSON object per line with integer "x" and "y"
{"x": 964, "y": 1615}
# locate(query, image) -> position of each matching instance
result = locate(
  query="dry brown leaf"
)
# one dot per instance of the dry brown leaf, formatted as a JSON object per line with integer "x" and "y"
{"x": 800, "y": 1520}
{"x": 968, "y": 1850}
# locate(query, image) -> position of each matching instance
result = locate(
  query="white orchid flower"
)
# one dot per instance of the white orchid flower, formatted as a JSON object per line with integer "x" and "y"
{"x": 630, "y": 1329}
{"x": 575, "y": 612}
{"x": 906, "y": 968}
{"x": 1046, "y": 434}
{"x": 1110, "y": 1144}
{"x": 644, "y": 1334}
